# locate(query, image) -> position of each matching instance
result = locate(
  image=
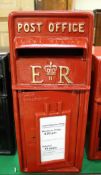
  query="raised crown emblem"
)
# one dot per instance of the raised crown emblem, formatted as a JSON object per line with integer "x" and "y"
{"x": 50, "y": 70}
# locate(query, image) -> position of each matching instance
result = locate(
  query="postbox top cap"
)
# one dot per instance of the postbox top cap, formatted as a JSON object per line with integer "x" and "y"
{"x": 51, "y": 13}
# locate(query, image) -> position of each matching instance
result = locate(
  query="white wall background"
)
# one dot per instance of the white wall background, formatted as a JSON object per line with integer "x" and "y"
{"x": 87, "y": 4}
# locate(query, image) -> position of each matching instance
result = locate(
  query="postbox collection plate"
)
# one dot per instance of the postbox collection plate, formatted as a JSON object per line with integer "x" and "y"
{"x": 50, "y": 67}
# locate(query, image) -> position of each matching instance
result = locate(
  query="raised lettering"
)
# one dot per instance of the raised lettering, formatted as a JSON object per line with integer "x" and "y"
{"x": 81, "y": 27}
{"x": 51, "y": 27}
{"x": 19, "y": 27}
{"x": 64, "y": 25}
{"x": 39, "y": 26}
{"x": 58, "y": 26}
{"x": 32, "y": 27}
{"x": 75, "y": 27}
{"x": 69, "y": 27}
{"x": 26, "y": 27}
{"x": 34, "y": 74}
{"x": 64, "y": 75}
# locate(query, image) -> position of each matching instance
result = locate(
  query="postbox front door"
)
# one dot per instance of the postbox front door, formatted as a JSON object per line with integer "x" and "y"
{"x": 49, "y": 127}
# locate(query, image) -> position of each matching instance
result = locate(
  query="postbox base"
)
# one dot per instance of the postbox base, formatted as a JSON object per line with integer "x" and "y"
{"x": 64, "y": 170}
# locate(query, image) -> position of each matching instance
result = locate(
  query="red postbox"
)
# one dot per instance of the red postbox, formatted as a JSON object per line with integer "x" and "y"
{"x": 95, "y": 107}
{"x": 50, "y": 67}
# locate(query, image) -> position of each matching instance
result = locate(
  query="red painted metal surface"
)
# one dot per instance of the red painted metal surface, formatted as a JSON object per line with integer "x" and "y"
{"x": 95, "y": 102}
{"x": 51, "y": 69}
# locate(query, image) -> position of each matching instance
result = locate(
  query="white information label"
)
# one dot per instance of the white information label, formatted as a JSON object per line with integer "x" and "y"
{"x": 52, "y": 138}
